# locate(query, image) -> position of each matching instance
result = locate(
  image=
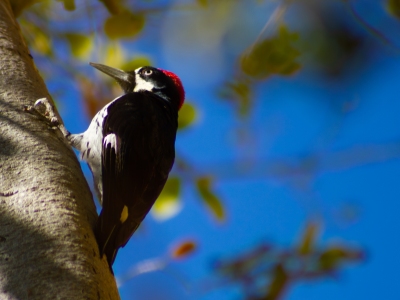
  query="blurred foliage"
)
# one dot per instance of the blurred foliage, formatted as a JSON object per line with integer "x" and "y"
{"x": 393, "y": 7}
{"x": 272, "y": 56}
{"x": 178, "y": 252}
{"x": 124, "y": 25}
{"x": 239, "y": 92}
{"x": 187, "y": 115}
{"x": 81, "y": 45}
{"x": 168, "y": 203}
{"x": 68, "y": 4}
{"x": 136, "y": 62}
{"x": 275, "y": 55}
{"x": 266, "y": 271}
{"x": 114, "y": 56}
{"x": 39, "y": 40}
{"x": 113, "y": 6}
{"x": 18, "y": 6}
{"x": 210, "y": 199}
{"x": 334, "y": 47}
{"x": 62, "y": 34}
{"x": 308, "y": 239}
{"x": 93, "y": 97}
{"x": 183, "y": 249}
{"x": 203, "y": 3}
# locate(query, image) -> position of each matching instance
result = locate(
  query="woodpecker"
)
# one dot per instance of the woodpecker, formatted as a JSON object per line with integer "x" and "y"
{"x": 130, "y": 149}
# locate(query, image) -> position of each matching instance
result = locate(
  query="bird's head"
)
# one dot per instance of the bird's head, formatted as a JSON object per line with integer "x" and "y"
{"x": 160, "y": 82}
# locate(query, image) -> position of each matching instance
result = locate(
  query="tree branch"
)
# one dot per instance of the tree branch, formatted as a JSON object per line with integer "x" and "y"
{"x": 47, "y": 246}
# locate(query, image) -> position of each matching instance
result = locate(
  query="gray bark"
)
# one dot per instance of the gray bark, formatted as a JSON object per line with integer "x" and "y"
{"x": 47, "y": 246}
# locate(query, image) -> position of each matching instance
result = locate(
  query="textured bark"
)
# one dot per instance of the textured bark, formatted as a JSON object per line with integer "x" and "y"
{"x": 47, "y": 246}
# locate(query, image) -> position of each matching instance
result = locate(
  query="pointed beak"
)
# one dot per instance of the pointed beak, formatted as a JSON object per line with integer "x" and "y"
{"x": 125, "y": 80}
{"x": 114, "y": 73}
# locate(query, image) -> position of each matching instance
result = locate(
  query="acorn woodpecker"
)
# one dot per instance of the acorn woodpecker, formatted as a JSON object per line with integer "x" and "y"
{"x": 130, "y": 148}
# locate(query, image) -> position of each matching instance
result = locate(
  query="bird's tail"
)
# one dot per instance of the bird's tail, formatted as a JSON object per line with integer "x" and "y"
{"x": 106, "y": 242}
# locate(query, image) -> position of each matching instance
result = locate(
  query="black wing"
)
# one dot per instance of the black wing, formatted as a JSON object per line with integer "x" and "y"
{"x": 138, "y": 153}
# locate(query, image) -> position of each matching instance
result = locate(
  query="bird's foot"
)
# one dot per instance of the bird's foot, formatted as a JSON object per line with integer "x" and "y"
{"x": 45, "y": 111}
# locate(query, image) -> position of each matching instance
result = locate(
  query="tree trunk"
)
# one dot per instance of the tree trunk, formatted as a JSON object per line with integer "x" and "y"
{"x": 47, "y": 246}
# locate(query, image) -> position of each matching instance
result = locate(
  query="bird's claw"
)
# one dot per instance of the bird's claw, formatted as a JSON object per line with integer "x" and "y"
{"x": 44, "y": 110}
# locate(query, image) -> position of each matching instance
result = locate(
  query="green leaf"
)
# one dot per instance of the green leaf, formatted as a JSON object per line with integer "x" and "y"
{"x": 209, "y": 198}
{"x": 278, "y": 283}
{"x": 332, "y": 257}
{"x": 168, "y": 203}
{"x": 81, "y": 45}
{"x": 68, "y": 4}
{"x": 308, "y": 239}
{"x": 138, "y": 61}
{"x": 275, "y": 55}
{"x": 187, "y": 115}
{"x": 124, "y": 25}
{"x": 239, "y": 91}
{"x": 393, "y": 7}
{"x": 203, "y": 3}
{"x": 113, "y": 6}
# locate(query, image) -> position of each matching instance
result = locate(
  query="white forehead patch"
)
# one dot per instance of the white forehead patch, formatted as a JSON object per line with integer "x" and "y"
{"x": 141, "y": 84}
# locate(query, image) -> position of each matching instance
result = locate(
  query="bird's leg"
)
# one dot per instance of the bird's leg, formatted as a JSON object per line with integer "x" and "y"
{"x": 45, "y": 111}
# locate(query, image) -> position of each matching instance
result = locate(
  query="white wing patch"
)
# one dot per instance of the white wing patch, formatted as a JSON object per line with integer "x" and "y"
{"x": 112, "y": 140}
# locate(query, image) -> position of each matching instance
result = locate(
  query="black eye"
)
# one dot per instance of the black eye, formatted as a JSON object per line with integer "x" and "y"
{"x": 147, "y": 72}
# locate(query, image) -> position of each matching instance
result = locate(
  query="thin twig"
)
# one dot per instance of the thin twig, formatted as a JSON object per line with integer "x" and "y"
{"x": 273, "y": 19}
{"x": 374, "y": 32}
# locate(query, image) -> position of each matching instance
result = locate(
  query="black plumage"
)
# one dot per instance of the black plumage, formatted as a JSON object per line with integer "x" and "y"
{"x": 135, "y": 171}
{"x": 130, "y": 148}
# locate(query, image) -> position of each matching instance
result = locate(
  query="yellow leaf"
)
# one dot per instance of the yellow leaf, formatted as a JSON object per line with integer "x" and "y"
{"x": 210, "y": 199}
{"x": 39, "y": 41}
{"x": 187, "y": 115}
{"x": 124, "y": 25}
{"x": 137, "y": 62}
{"x": 168, "y": 203}
{"x": 81, "y": 45}
{"x": 42, "y": 43}
{"x": 114, "y": 56}
{"x": 308, "y": 239}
